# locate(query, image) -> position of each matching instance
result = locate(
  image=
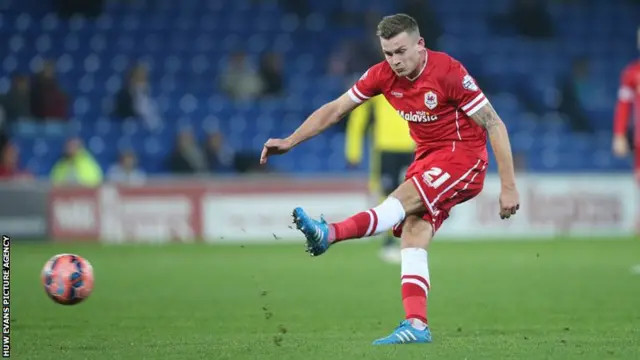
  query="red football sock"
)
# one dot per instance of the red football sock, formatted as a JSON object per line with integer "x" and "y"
{"x": 354, "y": 227}
{"x": 367, "y": 223}
{"x": 414, "y": 301}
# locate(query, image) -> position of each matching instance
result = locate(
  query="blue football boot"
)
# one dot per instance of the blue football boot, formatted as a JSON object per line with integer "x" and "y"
{"x": 316, "y": 232}
{"x": 406, "y": 334}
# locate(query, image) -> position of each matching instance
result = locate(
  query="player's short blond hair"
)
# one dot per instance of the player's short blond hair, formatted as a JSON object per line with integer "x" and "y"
{"x": 393, "y": 25}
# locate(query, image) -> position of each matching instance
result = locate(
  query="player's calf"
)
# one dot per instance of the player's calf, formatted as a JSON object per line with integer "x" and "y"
{"x": 415, "y": 279}
{"x": 415, "y": 284}
{"x": 405, "y": 200}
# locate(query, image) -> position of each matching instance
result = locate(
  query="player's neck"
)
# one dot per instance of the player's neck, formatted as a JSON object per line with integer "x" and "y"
{"x": 420, "y": 69}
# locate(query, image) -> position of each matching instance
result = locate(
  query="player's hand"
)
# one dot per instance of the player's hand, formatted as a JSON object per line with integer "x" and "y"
{"x": 620, "y": 145}
{"x": 274, "y": 147}
{"x": 509, "y": 202}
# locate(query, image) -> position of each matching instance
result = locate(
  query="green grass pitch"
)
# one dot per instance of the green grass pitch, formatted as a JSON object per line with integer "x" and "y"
{"x": 559, "y": 299}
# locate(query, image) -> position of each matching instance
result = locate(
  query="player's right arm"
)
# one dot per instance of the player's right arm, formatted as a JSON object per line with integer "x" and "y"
{"x": 327, "y": 115}
{"x": 622, "y": 113}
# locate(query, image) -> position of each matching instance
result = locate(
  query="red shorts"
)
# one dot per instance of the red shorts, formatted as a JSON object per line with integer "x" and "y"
{"x": 444, "y": 182}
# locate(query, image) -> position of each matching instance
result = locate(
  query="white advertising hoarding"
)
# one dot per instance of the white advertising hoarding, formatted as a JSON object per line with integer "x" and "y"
{"x": 551, "y": 205}
{"x": 255, "y": 217}
{"x": 574, "y": 205}
{"x": 252, "y": 210}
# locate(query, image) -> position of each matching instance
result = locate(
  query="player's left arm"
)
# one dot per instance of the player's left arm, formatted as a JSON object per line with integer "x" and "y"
{"x": 488, "y": 118}
{"x": 472, "y": 101}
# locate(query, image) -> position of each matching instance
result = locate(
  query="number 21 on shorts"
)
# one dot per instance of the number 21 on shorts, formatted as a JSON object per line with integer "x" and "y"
{"x": 435, "y": 177}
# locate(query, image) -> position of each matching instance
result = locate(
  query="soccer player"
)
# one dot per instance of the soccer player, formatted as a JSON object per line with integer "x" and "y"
{"x": 628, "y": 96}
{"x": 449, "y": 118}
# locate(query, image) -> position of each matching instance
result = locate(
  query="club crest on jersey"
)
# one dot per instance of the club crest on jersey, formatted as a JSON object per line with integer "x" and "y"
{"x": 469, "y": 84}
{"x": 431, "y": 100}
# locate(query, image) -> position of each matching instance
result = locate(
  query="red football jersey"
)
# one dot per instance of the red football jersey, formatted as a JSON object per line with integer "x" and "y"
{"x": 628, "y": 97}
{"x": 437, "y": 104}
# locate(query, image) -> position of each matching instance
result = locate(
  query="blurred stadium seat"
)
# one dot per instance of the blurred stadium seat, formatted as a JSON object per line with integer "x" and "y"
{"x": 186, "y": 43}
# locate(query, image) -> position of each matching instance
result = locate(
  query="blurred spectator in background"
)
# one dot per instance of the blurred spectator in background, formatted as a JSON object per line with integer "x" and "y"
{"x": 240, "y": 80}
{"x": 338, "y": 61}
{"x": 220, "y": 157}
{"x": 9, "y": 168}
{"x": 126, "y": 170}
{"x": 575, "y": 91}
{"x": 187, "y": 157}
{"x": 531, "y": 19}
{"x": 528, "y": 18}
{"x": 68, "y": 8}
{"x": 48, "y": 100}
{"x": 134, "y": 100}
{"x": 17, "y": 101}
{"x": 297, "y": 7}
{"x": 430, "y": 28}
{"x": 354, "y": 18}
{"x": 76, "y": 167}
{"x": 271, "y": 75}
{"x": 352, "y": 55}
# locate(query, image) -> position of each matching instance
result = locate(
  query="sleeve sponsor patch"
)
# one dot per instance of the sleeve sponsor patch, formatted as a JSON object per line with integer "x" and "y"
{"x": 469, "y": 84}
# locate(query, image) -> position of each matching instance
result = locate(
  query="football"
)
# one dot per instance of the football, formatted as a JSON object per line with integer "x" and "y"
{"x": 67, "y": 279}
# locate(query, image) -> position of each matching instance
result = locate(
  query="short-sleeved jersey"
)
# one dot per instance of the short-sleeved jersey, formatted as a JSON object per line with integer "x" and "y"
{"x": 629, "y": 90}
{"x": 437, "y": 104}
{"x": 629, "y": 100}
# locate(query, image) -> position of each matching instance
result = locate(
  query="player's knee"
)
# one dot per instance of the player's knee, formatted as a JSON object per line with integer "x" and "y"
{"x": 409, "y": 197}
{"x": 416, "y": 233}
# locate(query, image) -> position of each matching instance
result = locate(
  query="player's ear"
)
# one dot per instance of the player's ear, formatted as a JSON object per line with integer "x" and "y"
{"x": 421, "y": 42}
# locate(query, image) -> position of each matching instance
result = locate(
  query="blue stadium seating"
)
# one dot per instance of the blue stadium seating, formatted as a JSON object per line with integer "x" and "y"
{"x": 93, "y": 55}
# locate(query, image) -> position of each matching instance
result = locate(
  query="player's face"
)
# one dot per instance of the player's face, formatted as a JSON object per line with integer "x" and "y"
{"x": 403, "y": 52}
